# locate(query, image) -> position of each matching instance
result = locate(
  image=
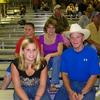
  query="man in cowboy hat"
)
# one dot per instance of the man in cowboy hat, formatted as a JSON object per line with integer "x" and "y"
{"x": 78, "y": 69}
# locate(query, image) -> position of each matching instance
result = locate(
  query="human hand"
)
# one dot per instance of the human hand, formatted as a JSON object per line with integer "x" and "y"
{"x": 37, "y": 97}
{"x": 80, "y": 96}
{"x": 47, "y": 57}
{"x": 73, "y": 96}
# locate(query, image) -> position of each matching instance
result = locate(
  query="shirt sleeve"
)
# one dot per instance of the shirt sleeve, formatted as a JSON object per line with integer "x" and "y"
{"x": 41, "y": 39}
{"x": 43, "y": 64}
{"x": 15, "y": 62}
{"x": 38, "y": 42}
{"x": 59, "y": 38}
{"x": 63, "y": 67}
{"x": 18, "y": 44}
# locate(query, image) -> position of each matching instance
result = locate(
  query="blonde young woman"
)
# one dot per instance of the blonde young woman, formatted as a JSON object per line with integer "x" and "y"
{"x": 29, "y": 73}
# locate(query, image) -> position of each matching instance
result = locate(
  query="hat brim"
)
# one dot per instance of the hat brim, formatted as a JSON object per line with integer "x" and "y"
{"x": 85, "y": 32}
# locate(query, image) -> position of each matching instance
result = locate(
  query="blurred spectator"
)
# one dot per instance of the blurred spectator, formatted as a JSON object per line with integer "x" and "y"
{"x": 94, "y": 28}
{"x": 44, "y": 5}
{"x": 36, "y": 5}
{"x": 22, "y": 21}
{"x": 22, "y": 9}
{"x": 76, "y": 8}
{"x": 72, "y": 9}
{"x": 90, "y": 5}
{"x": 62, "y": 22}
{"x": 82, "y": 7}
{"x": 85, "y": 18}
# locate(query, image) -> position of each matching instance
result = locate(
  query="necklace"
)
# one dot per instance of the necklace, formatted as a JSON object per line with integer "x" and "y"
{"x": 50, "y": 39}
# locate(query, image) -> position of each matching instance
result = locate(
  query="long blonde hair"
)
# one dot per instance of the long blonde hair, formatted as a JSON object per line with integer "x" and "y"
{"x": 37, "y": 62}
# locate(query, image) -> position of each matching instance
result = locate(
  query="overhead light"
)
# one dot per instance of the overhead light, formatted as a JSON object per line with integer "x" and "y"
{"x": 3, "y": 1}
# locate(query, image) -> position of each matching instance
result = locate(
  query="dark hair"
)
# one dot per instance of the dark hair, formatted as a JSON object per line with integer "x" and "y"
{"x": 30, "y": 24}
{"x": 50, "y": 21}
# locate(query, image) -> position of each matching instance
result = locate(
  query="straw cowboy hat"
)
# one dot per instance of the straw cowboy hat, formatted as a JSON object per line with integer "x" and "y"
{"x": 77, "y": 28}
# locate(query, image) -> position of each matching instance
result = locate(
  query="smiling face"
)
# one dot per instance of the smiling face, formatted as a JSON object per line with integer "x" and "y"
{"x": 30, "y": 52}
{"x": 77, "y": 41}
{"x": 50, "y": 29}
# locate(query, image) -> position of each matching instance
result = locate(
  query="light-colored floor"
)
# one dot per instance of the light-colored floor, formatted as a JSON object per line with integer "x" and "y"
{"x": 6, "y": 94}
{"x": 98, "y": 98}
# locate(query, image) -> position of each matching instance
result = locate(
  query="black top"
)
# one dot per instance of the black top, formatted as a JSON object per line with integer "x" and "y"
{"x": 29, "y": 80}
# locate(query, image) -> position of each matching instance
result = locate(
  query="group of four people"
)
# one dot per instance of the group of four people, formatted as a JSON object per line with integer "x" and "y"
{"x": 78, "y": 70}
{"x": 35, "y": 56}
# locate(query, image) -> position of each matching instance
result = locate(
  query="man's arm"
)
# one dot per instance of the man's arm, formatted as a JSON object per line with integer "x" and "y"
{"x": 91, "y": 81}
{"x": 72, "y": 95}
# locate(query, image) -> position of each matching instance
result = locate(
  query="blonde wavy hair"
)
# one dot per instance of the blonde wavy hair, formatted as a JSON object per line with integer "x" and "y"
{"x": 36, "y": 63}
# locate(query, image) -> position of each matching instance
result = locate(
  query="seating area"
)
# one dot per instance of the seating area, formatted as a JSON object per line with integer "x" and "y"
{"x": 6, "y": 94}
{"x": 10, "y": 32}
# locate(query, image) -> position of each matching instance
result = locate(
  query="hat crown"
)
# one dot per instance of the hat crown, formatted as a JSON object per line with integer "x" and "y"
{"x": 75, "y": 28}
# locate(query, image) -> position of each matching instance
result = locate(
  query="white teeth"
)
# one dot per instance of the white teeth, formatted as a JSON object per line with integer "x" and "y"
{"x": 31, "y": 56}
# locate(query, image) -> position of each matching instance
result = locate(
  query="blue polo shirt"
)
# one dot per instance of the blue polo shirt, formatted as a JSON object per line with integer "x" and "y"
{"x": 80, "y": 65}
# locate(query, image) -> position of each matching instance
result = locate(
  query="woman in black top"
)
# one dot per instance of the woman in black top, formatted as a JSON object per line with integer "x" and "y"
{"x": 29, "y": 73}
